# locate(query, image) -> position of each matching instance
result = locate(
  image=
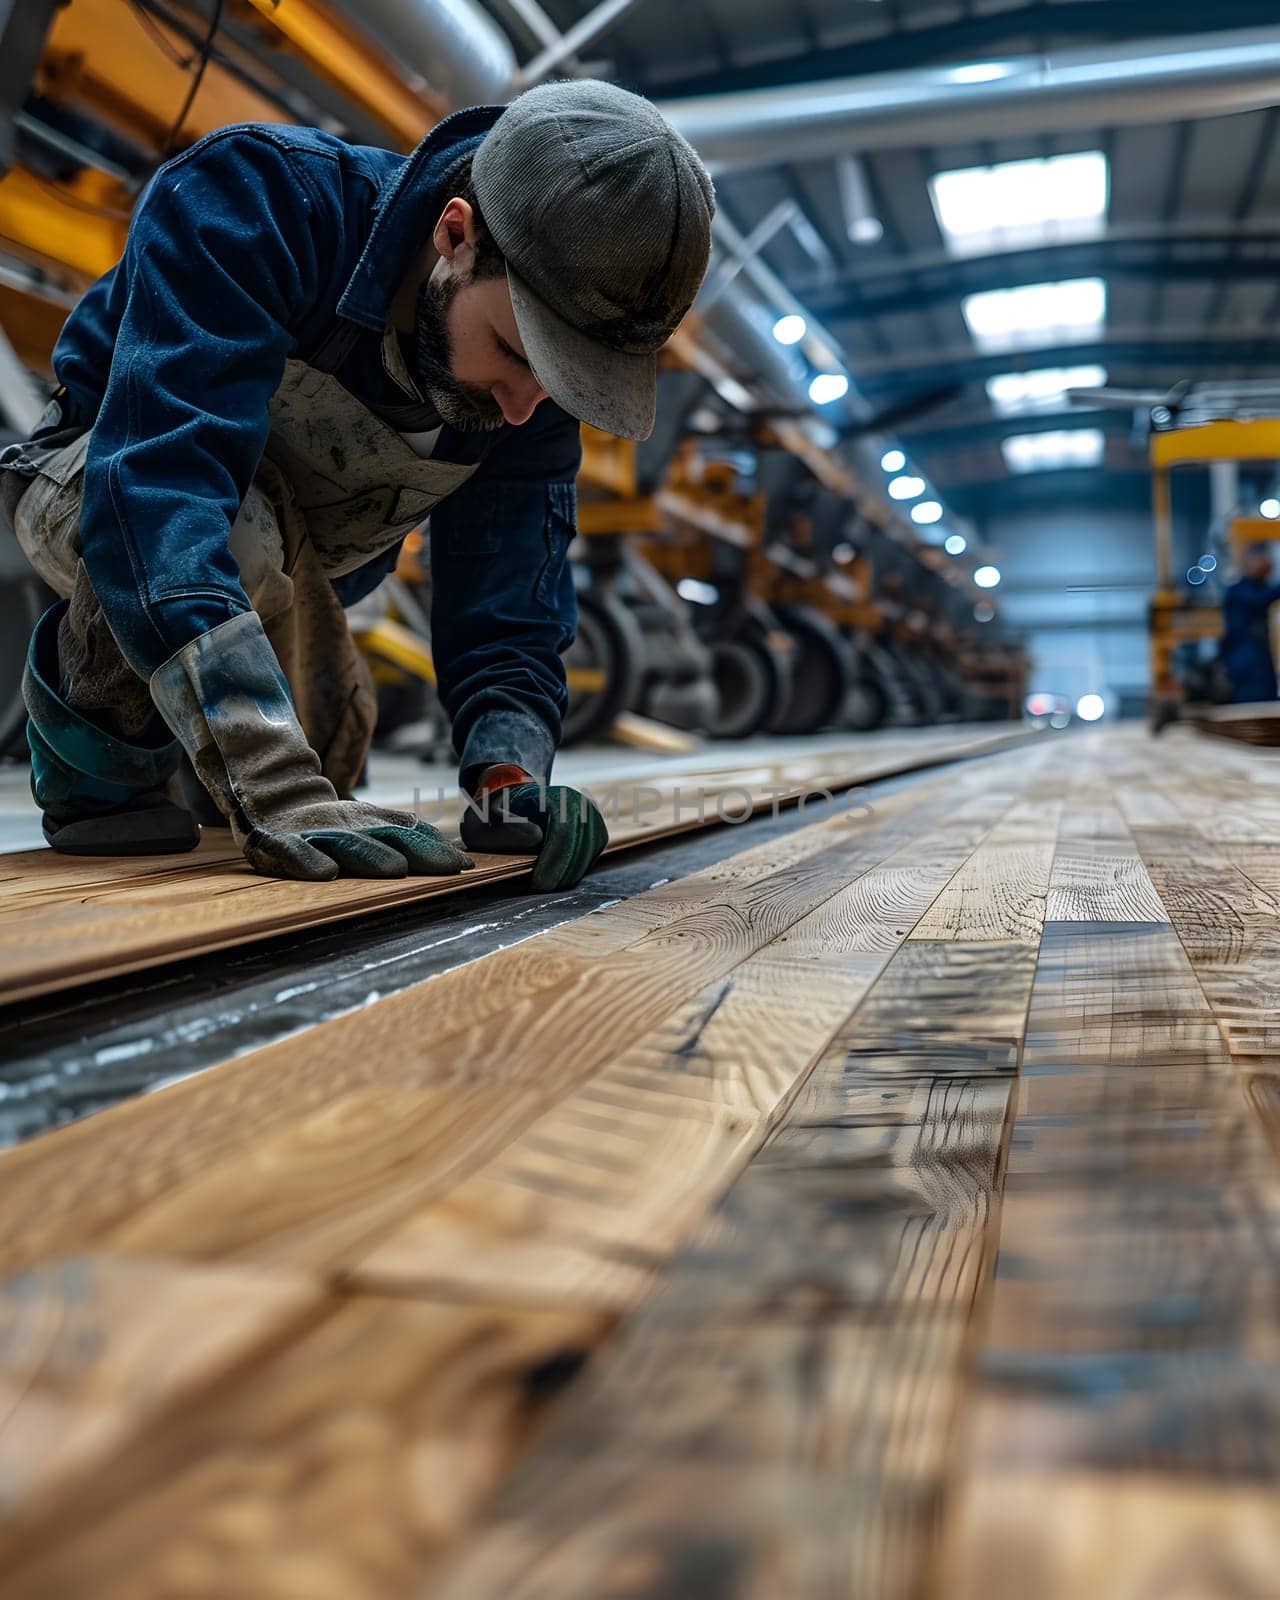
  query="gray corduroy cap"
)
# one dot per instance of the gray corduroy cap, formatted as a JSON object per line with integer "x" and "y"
{"x": 603, "y": 213}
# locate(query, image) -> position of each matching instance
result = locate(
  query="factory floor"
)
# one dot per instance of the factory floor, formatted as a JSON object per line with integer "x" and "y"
{"x": 880, "y": 1200}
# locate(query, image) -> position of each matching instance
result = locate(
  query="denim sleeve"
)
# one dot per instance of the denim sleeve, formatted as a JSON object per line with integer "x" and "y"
{"x": 220, "y": 266}
{"x": 353, "y": 586}
{"x": 503, "y": 606}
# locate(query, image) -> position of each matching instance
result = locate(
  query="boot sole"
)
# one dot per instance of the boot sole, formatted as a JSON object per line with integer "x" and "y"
{"x": 141, "y": 833}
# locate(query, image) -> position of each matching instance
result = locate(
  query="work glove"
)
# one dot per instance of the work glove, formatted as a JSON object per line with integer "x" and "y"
{"x": 227, "y": 700}
{"x": 511, "y": 814}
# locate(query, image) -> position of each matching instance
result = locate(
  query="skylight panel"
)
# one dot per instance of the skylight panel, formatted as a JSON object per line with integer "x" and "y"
{"x": 1021, "y": 204}
{"x": 1014, "y": 393}
{"x": 1005, "y": 318}
{"x": 1048, "y": 452}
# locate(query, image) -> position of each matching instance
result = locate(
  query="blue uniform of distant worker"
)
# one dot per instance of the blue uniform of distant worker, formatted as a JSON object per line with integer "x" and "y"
{"x": 1246, "y": 640}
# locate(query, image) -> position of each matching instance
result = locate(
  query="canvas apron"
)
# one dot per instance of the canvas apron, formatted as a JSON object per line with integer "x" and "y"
{"x": 336, "y": 487}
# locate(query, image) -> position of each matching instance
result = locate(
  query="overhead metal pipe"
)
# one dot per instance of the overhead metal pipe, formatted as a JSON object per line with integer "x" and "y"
{"x": 21, "y": 401}
{"x": 745, "y": 329}
{"x": 1150, "y": 81}
{"x": 451, "y": 45}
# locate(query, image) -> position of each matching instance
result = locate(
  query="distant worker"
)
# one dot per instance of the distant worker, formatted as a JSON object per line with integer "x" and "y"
{"x": 1245, "y": 652}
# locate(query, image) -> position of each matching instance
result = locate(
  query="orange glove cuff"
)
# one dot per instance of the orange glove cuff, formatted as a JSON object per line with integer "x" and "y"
{"x": 504, "y": 776}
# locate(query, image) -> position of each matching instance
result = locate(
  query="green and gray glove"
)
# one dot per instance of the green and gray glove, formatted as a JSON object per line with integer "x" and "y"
{"x": 227, "y": 700}
{"x": 511, "y": 814}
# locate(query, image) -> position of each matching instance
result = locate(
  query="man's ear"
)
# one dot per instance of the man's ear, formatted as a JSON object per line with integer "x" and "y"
{"x": 455, "y": 233}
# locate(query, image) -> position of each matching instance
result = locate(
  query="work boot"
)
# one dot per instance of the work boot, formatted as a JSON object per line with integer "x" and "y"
{"x": 99, "y": 795}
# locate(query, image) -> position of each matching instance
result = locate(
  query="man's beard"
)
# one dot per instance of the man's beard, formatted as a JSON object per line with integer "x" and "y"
{"x": 461, "y": 405}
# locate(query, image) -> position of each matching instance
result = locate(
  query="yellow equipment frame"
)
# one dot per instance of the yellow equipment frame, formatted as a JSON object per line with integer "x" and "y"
{"x": 1173, "y": 622}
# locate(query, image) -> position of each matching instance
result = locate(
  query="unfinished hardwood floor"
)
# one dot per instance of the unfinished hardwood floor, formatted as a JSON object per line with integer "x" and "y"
{"x": 67, "y": 921}
{"x": 884, "y": 1212}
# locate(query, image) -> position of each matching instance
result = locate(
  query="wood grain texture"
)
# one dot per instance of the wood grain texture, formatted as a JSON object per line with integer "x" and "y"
{"x": 600, "y": 1189}
{"x": 92, "y": 1352}
{"x": 887, "y": 1210}
{"x": 776, "y": 1419}
{"x": 339, "y": 1466}
{"x": 304, "y": 1150}
{"x": 613, "y": 1175}
{"x": 1133, "y": 1331}
{"x": 1113, "y": 1538}
{"x": 999, "y": 894}
{"x": 1216, "y": 864}
{"x": 66, "y": 921}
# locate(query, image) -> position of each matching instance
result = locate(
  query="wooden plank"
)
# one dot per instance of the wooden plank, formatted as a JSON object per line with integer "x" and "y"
{"x": 1219, "y": 875}
{"x": 598, "y": 1191}
{"x": 252, "y": 1487}
{"x": 338, "y": 1466}
{"x": 1000, "y": 892}
{"x": 1132, "y": 1349}
{"x": 1112, "y": 1538}
{"x": 592, "y": 1197}
{"x": 781, "y": 1415}
{"x": 777, "y": 1418}
{"x": 1094, "y": 881}
{"x": 301, "y": 1151}
{"x": 65, "y": 921}
{"x": 93, "y": 1351}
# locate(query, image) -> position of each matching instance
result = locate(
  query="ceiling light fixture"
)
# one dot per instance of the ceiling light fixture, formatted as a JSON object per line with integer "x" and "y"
{"x": 1048, "y": 452}
{"x": 828, "y": 386}
{"x": 861, "y": 223}
{"x": 1013, "y": 393}
{"x": 1022, "y": 204}
{"x": 906, "y": 488}
{"x": 982, "y": 71}
{"x": 790, "y": 329}
{"x": 1000, "y": 318}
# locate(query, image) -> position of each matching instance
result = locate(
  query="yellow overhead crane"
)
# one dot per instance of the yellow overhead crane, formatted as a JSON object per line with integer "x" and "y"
{"x": 131, "y": 71}
{"x": 1175, "y": 620}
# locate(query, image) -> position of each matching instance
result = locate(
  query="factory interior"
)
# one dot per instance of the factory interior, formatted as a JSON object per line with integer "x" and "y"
{"x": 694, "y": 1012}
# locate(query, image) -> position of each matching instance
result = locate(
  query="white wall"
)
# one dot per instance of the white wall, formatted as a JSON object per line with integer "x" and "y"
{"x": 1078, "y": 584}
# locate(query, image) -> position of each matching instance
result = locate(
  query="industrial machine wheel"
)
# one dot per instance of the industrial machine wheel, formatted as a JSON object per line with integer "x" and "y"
{"x": 920, "y": 687}
{"x": 866, "y": 705}
{"x": 747, "y": 688}
{"x": 902, "y": 704}
{"x": 685, "y": 695}
{"x": 609, "y": 645}
{"x": 825, "y": 666}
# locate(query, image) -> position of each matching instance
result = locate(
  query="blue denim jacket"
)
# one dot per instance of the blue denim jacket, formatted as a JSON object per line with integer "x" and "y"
{"x": 263, "y": 243}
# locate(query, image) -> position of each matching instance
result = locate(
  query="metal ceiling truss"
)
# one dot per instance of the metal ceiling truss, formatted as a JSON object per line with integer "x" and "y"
{"x": 1252, "y": 347}
{"x": 1222, "y": 260}
{"x": 980, "y": 428}
{"x": 968, "y": 38}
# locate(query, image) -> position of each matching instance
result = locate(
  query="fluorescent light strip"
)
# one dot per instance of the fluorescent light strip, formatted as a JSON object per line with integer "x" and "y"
{"x": 1003, "y": 318}
{"x": 1013, "y": 394}
{"x": 1048, "y": 452}
{"x": 1020, "y": 204}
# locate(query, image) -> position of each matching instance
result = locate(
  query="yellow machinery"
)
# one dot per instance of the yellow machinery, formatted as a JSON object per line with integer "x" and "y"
{"x": 1175, "y": 620}
{"x": 130, "y": 71}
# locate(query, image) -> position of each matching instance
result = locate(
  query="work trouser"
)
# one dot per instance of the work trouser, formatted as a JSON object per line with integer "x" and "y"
{"x": 284, "y": 572}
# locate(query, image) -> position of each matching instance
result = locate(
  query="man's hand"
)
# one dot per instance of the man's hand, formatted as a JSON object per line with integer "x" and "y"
{"x": 227, "y": 700}
{"x": 510, "y": 814}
